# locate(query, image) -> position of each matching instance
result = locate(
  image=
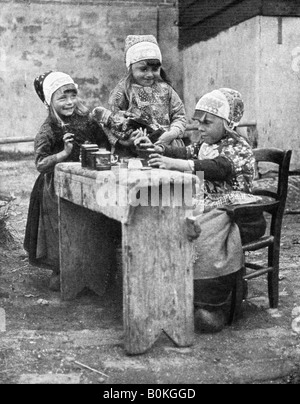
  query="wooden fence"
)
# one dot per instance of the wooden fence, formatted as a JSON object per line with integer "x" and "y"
{"x": 251, "y": 133}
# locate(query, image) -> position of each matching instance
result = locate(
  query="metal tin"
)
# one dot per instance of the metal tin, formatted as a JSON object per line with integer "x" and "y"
{"x": 103, "y": 159}
{"x": 85, "y": 149}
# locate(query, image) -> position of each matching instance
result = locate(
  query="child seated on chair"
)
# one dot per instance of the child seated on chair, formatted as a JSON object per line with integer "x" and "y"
{"x": 227, "y": 161}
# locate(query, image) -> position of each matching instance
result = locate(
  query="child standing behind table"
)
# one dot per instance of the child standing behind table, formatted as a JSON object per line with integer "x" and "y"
{"x": 146, "y": 94}
{"x": 67, "y": 126}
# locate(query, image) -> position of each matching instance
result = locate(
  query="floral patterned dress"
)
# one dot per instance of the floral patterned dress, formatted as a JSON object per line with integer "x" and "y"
{"x": 233, "y": 156}
{"x": 158, "y": 105}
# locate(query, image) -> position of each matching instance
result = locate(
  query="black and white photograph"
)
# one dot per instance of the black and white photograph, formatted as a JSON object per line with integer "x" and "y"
{"x": 149, "y": 194}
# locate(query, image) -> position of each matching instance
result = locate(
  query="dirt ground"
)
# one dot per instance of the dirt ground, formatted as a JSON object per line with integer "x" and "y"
{"x": 50, "y": 341}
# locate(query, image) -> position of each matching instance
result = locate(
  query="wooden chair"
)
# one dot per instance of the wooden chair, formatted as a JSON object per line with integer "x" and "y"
{"x": 271, "y": 240}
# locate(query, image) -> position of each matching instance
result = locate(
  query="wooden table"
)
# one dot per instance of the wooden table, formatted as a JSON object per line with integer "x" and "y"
{"x": 157, "y": 256}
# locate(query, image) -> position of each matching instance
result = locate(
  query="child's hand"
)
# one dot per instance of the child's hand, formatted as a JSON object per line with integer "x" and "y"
{"x": 193, "y": 228}
{"x": 68, "y": 141}
{"x": 143, "y": 142}
{"x": 134, "y": 136}
{"x": 138, "y": 134}
{"x": 166, "y": 138}
{"x": 159, "y": 161}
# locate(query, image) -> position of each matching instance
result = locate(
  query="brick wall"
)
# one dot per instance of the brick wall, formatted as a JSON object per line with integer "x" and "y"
{"x": 82, "y": 38}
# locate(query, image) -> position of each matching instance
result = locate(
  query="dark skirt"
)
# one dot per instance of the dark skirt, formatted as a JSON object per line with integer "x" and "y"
{"x": 252, "y": 227}
{"x": 32, "y": 225}
{"x": 41, "y": 234}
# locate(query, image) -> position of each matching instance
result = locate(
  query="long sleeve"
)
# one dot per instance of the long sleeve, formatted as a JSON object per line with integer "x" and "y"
{"x": 45, "y": 149}
{"x": 217, "y": 169}
{"x": 99, "y": 135}
{"x": 117, "y": 102}
{"x": 176, "y": 152}
{"x": 177, "y": 115}
{"x": 117, "y": 99}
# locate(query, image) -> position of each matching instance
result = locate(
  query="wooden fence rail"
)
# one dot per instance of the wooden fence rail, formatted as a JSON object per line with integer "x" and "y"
{"x": 190, "y": 127}
{"x": 8, "y": 140}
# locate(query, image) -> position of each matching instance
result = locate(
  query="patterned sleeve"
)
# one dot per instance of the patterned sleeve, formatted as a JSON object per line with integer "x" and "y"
{"x": 242, "y": 159}
{"x": 45, "y": 160}
{"x": 117, "y": 99}
{"x": 177, "y": 114}
{"x": 117, "y": 102}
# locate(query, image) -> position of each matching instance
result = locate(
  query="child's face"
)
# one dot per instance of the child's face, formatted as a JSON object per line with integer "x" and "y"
{"x": 145, "y": 75}
{"x": 64, "y": 101}
{"x": 211, "y": 127}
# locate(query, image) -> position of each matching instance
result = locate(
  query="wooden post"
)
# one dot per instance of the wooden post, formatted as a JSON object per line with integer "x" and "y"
{"x": 157, "y": 278}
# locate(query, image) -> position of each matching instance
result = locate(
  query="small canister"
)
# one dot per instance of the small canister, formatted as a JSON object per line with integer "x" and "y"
{"x": 85, "y": 149}
{"x": 102, "y": 160}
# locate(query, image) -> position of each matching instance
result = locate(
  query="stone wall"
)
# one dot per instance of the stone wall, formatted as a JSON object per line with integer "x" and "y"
{"x": 82, "y": 38}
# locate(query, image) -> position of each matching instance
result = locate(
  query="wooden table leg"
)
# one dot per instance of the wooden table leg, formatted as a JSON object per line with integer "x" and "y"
{"x": 158, "y": 279}
{"x": 86, "y": 250}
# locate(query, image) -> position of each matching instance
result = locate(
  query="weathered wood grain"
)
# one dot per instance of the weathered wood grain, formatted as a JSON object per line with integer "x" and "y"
{"x": 157, "y": 255}
{"x": 86, "y": 250}
{"x": 158, "y": 279}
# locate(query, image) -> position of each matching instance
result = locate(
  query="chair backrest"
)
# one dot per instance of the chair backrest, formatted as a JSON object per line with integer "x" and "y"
{"x": 282, "y": 158}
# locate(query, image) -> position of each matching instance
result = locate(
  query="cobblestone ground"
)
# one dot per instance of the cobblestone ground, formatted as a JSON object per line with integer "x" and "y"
{"x": 46, "y": 340}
